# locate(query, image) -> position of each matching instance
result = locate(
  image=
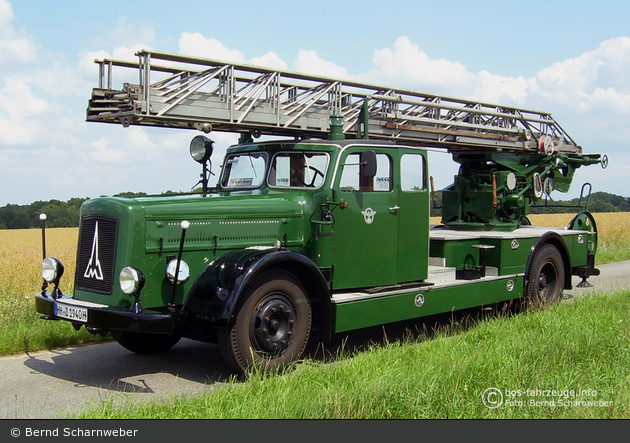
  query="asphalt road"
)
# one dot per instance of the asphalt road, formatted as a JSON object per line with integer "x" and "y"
{"x": 60, "y": 383}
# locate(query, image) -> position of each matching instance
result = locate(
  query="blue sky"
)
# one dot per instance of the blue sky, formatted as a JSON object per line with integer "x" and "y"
{"x": 569, "y": 58}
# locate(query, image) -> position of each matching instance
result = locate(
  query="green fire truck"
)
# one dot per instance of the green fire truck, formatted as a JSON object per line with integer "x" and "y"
{"x": 323, "y": 227}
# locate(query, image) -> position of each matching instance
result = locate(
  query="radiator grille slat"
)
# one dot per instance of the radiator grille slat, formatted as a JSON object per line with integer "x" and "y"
{"x": 97, "y": 254}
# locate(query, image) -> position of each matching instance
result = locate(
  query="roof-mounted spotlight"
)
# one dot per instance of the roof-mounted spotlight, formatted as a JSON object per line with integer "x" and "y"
{"x": 201, "y": 148}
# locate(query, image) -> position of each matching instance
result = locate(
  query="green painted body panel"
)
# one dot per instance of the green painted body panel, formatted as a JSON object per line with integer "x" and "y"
{"x": 511, "y": 250}
{"x": 381, "y": 237}
{"x": 256, "y": 220}
{"x": 360, "y": 232}
{"x": 392, "y": 308}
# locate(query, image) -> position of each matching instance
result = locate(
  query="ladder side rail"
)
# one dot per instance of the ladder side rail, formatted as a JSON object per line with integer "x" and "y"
{"x": 310, "y": 101}
{"x": 109, "y": 75}
{"x": 256, "y": 92}
{"x": 243, "y": 93}
{"x": 301, "y": 95}
{"x": 424, "y": 103}
{"x": 287, "y": 74}
{"x": 277, "y": 96}
{"x": 501, "y": 118}
{"x": 101, "y": 74}
{"x": 442, "y": 105}
{"x": 252, "y": 90}
{"x": 563, "y": 133}
{"x": 191, "y": 89}
{"x": 455, "y": 120}
{"x": 178, "y": 83}
{"x": 429, "y": 124}
{"x": 292, "y": 95}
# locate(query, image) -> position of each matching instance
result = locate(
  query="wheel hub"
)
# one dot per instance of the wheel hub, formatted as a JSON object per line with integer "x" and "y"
{"x": 273, "y": 324}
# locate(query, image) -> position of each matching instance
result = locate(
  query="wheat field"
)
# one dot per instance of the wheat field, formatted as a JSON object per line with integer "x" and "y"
{"x": 21, "y": 255}
{"x": 20, "y": 263}
{"x": 613, "y": 232}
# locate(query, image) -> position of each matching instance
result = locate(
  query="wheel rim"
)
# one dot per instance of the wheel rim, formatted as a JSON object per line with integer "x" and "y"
{"x": 272, "y": 325}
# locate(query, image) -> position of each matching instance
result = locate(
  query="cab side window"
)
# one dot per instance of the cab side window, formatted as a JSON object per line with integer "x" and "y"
{"x": 353, "y": 181}
{"x": 412, "y": 177}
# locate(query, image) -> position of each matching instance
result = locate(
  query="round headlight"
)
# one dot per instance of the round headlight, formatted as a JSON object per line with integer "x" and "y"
{"x": 201, "y": 148}
{"x": 131, "y": 280}
{"x": 184, "y": 271}
{"x": 52, "y": 269}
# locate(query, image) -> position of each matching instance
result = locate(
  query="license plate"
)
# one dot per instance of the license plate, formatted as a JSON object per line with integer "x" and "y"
{"x": 76, "y": 313}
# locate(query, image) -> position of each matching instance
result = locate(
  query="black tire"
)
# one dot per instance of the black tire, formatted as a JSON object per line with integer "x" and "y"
{"x": 545, "y": 278}
{"x": 272, "y": 327}
{"x": 145, "y": 343}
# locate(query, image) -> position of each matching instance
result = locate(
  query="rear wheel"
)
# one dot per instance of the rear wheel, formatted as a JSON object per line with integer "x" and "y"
{"x": 545, "y": 279}
{"x": 273, "y": 326}
{"x": 145, "y": 343}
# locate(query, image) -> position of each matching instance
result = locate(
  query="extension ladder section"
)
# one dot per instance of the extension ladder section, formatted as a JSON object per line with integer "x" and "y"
{"x": 204, "y": 94}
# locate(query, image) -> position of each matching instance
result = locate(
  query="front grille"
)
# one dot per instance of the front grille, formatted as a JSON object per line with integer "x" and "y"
{"x": 97, "y": 254}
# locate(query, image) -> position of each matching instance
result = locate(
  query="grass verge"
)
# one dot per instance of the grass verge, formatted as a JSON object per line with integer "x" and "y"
{"x": 571, "y": 361}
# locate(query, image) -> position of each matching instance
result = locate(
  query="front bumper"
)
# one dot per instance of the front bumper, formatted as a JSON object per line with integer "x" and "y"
{"x": 104, "y": 318}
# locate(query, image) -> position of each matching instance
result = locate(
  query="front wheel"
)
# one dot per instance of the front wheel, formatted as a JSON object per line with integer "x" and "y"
{"x": 272, "y": 327}
{"x": 545, "y": 277}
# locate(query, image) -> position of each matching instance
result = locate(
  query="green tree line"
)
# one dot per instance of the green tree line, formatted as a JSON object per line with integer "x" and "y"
{"x": 59, "y": 214}
{"x": 598, "y": 202}
{"x": 62, "y": 214}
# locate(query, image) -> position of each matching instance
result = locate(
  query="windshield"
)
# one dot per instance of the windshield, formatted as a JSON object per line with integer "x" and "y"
{"x": 298, "y": 170}
{"x": 245, "y": 170}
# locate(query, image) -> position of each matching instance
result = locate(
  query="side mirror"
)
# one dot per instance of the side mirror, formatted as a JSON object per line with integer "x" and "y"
{"x": 368, "y": 164}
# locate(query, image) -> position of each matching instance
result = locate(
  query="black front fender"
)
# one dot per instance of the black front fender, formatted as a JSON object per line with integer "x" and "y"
{"x": 217, "y": 293}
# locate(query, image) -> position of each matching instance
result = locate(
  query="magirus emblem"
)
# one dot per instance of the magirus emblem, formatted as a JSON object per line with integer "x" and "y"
{"x": 94, "y": 269}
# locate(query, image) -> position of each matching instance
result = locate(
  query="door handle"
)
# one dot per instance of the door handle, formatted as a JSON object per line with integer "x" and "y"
{"x": 394, "y": 209}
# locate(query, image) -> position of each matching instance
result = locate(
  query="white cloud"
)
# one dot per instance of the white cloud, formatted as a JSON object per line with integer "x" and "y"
{"x": 592, "y": 80}
{"x": 126, "y": 33}
{"x": 309, "y": 62}
{"x": 130, "y": 146}
{"x": 269, "y": 60}
{"x": 16, "y": 46}
{"x": 101, "y": 153}
{"x": 611, "y": 99}
{"x": 196, "y": 44}
{"x": 88, "y": 70}
{"x": 406, "y": 66}
{"x": 60, "y": 79}
{"x": 20, "y": 112}
{"x": 122, "y": 43}
{"x": 500, "y": 89}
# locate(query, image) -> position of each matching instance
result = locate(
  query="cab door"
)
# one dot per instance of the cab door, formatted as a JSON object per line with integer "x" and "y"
{"x": 413, "y": 217}
{"x": 365, "y": 232}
